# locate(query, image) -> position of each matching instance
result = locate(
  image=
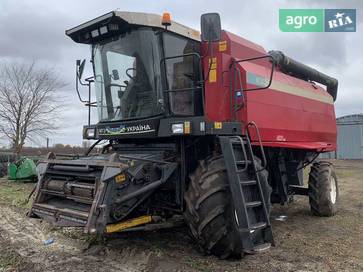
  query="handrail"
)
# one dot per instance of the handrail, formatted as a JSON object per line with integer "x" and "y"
{"x": 88, "y": 102}
{"x": 183, "y": 89}
{"x": 241, "y": 89}
{"x": 237, "y": 73}
{"x": 253, "y": 124}
{"x": 200, "y": 82}
{"x": 257, "y": 58}
{"x": 239, "y": 138}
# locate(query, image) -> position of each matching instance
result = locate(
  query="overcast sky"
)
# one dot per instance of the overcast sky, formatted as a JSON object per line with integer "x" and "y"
{"x": 34, "y": 30}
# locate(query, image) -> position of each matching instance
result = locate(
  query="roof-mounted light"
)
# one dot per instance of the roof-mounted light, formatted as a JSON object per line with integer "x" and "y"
{"x": 103, "y": 30}
{"x": 121, "y": 21}
{"x": 166, "y": 19}
{"x": 95, "y": 33}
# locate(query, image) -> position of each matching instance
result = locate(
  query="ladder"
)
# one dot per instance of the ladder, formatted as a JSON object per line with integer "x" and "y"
{"x": 251, "y": 213}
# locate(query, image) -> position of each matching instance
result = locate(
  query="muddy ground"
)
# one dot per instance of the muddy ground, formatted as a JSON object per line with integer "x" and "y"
{"x": 304, "y": 242}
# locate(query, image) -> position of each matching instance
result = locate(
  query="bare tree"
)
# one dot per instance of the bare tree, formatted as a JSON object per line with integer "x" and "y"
{"x": 29, "y": 103}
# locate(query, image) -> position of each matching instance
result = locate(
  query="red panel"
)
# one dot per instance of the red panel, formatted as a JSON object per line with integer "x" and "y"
{"x": 217, "y": 95}
{"x": 284, "y": 117}
{"x": 295, "y": 114}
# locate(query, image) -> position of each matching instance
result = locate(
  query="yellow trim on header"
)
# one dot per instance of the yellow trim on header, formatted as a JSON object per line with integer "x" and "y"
{"x": 128, "y": 224}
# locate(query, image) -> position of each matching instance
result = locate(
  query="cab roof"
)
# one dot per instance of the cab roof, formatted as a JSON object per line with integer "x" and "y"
{"x": 114, "y": 22}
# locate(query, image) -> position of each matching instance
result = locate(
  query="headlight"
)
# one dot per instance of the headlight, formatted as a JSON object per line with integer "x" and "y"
{"x": 95, "y": 33}
{"x": 89, "y": 133}
{"x": 177, "y": 128}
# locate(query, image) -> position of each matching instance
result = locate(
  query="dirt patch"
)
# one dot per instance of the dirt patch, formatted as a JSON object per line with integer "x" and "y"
{"x": 12, "y": 260}
{"x": 303, "y": 242}
{"x": 25, "y": 238}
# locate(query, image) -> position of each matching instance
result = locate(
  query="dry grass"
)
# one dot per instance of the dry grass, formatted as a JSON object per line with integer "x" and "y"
{"x": 304, "y": 242}
{"x": 15, "y": 193}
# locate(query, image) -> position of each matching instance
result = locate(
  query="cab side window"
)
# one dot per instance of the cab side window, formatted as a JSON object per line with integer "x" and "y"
{"x": 182, "y": 75}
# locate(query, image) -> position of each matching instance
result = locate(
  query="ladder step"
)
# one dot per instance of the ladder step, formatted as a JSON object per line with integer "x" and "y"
{"x": 253, "y": 204}
{"x": 259, "y": 225}
{"x": 237, "y": 142}
{"x": 243, "y": 162}
{"x": 259, "y": 248}
{"x": 253, "y": 227}
{"x": 248, "y": 182}
{"x": 262, "y": 247}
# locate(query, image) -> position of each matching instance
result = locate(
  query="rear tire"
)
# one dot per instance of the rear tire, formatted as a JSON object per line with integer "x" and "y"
{"x": 209, "y": 208}
{"x": 323, "y": 189}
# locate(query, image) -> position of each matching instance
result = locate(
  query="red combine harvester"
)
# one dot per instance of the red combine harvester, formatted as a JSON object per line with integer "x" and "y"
{"x": 208, "y": 128}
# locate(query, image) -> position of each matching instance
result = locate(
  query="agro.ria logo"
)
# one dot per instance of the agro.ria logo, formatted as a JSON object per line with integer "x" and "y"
{"x": 343, "y": 20}
{"x": 317, "y": 20}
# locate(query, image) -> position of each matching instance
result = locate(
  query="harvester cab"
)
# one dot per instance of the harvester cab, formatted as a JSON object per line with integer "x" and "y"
{"x": 208, "y": 128}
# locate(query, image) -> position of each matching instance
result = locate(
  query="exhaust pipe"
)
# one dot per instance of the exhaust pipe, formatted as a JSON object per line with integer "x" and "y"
{"x": 302, "y": 71}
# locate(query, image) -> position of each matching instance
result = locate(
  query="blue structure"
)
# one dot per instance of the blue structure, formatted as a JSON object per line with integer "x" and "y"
{"x": 350, "y": 138}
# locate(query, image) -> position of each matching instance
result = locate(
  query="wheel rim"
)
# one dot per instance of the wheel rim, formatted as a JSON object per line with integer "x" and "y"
{"x": 333, "y": 190}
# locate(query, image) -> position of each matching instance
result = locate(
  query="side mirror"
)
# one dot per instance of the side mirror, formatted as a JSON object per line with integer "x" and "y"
{"x": 210, "y": 24}
{"x": 80, "y": 68}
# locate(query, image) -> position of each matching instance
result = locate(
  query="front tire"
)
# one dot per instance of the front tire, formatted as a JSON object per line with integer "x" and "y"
{"x": 323, "y": 189}
{"x": 209, "y": 208}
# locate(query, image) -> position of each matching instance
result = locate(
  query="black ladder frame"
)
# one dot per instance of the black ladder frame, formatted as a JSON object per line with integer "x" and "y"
{"x": 237, "y": 185}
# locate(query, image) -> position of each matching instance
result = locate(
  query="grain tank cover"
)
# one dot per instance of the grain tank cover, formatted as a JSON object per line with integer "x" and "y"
{"x": 302, "y": 71}
{"x": 120, "y": 21}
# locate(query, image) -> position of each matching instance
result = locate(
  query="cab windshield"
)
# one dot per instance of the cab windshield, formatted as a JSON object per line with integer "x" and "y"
{"x": 127, "y": 76}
